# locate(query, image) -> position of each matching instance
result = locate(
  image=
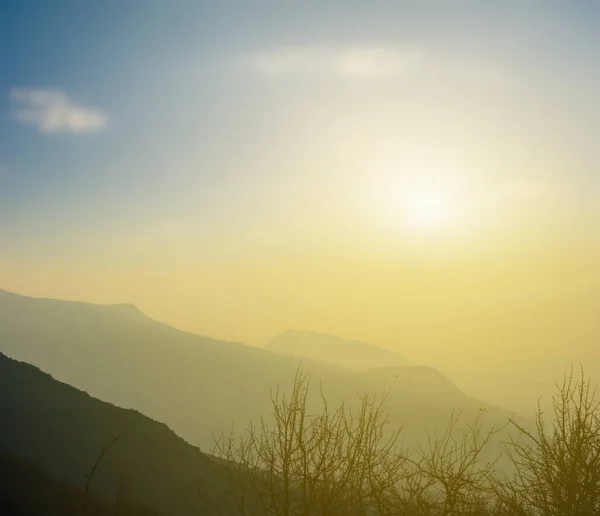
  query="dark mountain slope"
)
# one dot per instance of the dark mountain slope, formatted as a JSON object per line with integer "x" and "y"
{"x": 26, "y": 490}
{"x": 62, "y": 430}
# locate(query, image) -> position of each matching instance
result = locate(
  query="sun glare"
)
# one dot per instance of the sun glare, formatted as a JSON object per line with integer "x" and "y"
{"x": 421, "y": 196}
{"x": 426, "y": 208}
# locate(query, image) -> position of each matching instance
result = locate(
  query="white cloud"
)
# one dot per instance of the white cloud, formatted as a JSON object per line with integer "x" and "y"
{"x": 374, "y": 62}
{"x": 366, "y": 62}
{"x": 52, "y": 111}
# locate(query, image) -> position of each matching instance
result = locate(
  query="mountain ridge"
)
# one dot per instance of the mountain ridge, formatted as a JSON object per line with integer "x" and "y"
{"x": 351, "y": 353}
{"x": 61, "y": 429}
{"x": 195, "y": 384}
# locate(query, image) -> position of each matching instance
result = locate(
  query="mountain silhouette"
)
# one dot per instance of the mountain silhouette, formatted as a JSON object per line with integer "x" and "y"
{"x": 353, "y": 354}
{"x": 55, "y": 432}
{"x": 198, "y": 385}
{"x": 27, "y": 490}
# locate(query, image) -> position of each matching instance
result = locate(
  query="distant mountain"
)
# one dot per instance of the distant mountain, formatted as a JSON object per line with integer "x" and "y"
{"x": 198, "y": 385}
{"x": 51, "y": 434}
{"x": 353, "y": 354}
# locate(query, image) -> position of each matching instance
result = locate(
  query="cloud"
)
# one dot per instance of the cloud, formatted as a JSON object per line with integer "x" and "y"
{"x": 374, "y": 62}
{"x": 52, "y": 112}
{"x": 358, "y": 62}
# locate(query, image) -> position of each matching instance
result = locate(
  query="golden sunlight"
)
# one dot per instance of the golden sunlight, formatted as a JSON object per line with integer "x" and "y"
{"x": 422, "y": 196}
{"x": 427, "y": 208}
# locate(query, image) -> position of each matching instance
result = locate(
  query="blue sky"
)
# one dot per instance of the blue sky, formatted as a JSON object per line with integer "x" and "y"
{"x": 182, "y": 132}
{"x": 156, "y": 70}
{"x": 423, "y": 175}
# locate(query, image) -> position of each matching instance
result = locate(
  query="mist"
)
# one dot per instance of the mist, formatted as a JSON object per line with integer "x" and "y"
{"x": 318, "y": 258}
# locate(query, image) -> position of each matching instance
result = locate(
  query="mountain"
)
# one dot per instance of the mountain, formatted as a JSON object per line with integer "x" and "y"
{"x": 52, "y": 433}
{"x": 27, "y": 490}
{"x": 353, "y": 354}
{"x": 198, "y": 385}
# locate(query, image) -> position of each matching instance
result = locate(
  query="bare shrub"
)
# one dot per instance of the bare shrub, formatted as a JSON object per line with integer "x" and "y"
{"x": 446, "y": 476}
{"x": 558, "y": 464}
{"x": 349, "y": 462}
{"x": 327, "y": 463}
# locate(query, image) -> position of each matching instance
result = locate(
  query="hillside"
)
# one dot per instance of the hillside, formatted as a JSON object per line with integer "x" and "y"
{"x": 195, "y": 384}
{"x": 61, "y": 430}
{"x": 27, "y": 490}
{"x": 335, "y": 350}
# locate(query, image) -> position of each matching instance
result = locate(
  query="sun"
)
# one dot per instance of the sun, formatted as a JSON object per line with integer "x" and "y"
{"x": 426, "y": 208}
{"x": 423, "y": 197}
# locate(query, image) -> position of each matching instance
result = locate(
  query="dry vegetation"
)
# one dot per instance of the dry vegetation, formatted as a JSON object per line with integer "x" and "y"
{"x": 351, "y": 462}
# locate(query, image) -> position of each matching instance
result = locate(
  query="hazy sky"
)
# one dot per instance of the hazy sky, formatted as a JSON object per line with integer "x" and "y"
{"x": 240, "y": 167}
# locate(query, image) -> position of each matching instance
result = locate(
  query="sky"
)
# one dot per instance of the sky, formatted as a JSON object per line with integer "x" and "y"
{"x": 422, "y": 175}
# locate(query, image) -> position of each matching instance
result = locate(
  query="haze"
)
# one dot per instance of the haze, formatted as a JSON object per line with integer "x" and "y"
{"x": 421, "y": 177}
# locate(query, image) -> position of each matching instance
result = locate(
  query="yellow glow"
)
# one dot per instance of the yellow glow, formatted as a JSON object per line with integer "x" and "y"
{"x": 422, "y": 196}
{"x": 427, "y": 209}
